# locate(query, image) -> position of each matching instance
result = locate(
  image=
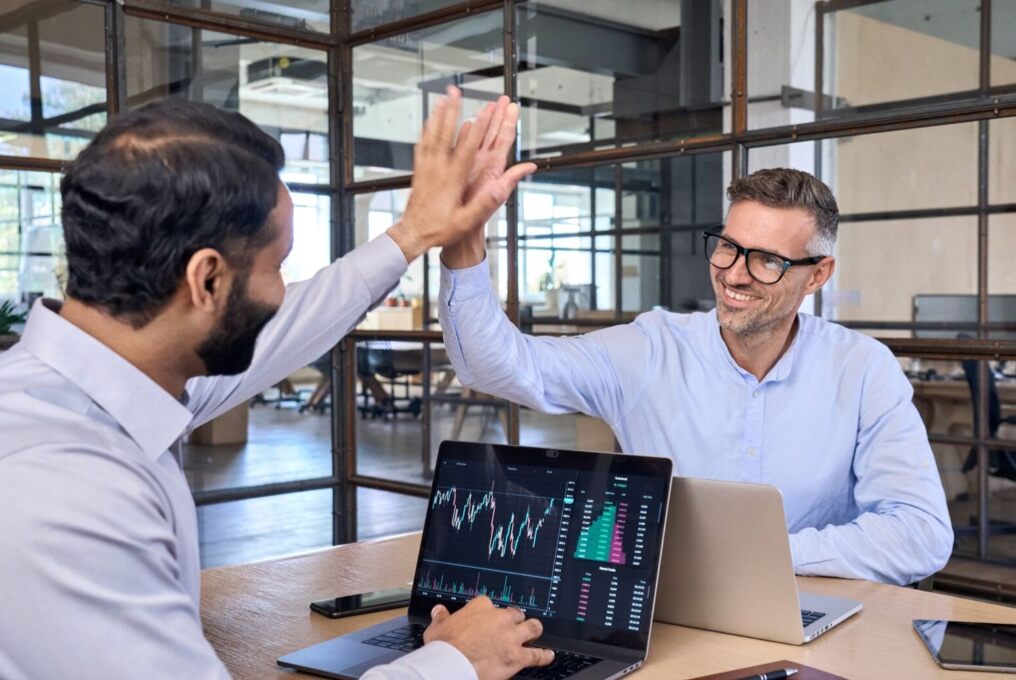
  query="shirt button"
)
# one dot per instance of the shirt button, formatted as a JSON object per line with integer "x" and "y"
{"x": 751, "y": 450}
{"x": 755, "y": 393}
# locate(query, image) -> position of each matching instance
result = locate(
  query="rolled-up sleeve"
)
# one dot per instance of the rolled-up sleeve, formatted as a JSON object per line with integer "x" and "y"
{"x": 600, "y": 373}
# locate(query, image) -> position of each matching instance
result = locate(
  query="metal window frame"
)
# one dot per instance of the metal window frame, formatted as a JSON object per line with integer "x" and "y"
{"x": 983, "y": 105}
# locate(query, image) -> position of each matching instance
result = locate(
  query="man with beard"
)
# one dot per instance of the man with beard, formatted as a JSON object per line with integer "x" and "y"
{"x": 753, "y": 391}
{"x": 176, "y": 227}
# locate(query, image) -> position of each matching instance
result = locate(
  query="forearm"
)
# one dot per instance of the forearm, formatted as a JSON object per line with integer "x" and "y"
{"x": 553, "y": 375}
{"x": 898, "y": 547}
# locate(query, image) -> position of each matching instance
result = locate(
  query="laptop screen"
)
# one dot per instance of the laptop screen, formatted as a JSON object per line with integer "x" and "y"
{"x": 570, "y": 537}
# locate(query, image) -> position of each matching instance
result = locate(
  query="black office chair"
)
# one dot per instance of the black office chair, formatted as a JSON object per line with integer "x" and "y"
{"x": 1000, "y": 463}
{"x": 376, "y": 358}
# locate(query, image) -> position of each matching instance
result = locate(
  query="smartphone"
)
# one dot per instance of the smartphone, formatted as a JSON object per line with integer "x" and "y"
{"x": 351, "y": 605}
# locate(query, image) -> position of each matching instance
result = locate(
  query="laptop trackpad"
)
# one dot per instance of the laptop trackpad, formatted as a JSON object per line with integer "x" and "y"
{"x": 339, "y": 658}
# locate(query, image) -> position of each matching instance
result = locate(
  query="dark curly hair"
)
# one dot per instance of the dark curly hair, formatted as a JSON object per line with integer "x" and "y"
{"x": 156, "y": 185}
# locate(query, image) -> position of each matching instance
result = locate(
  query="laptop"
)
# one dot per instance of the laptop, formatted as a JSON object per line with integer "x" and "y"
{"x": 571, "y": 537}
{"x": 728, "y": 568}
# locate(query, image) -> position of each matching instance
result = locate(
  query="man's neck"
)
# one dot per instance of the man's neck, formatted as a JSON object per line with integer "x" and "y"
{"x": 151, "y": 349}
{"x": 757, "y": 353}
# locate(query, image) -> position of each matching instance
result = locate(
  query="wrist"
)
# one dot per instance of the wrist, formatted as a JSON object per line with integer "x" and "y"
{"x": 408, "y": 239}
{"x": 464, "y": 254}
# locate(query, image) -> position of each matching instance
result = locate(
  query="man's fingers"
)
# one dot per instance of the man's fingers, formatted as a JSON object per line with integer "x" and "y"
{"x": 529, "y": 630}
{"x": 449, "y": 119}
{"x": 506, "y": 129}
{"x": 534, "y": 656}
{"x": 439, "y": 613}
{"x": 495, "y": 122}
{"x": 512, "y": 176}
{"x": 427, "y": 136}
{"x": 514, "y": 614}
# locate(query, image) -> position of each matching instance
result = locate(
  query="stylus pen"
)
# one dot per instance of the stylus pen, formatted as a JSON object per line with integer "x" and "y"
{"x": 773, "y": 675}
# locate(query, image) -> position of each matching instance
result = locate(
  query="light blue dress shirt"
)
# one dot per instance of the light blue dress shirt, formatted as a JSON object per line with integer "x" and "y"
{"x": 99, "y": 568}
{"x": 832, "y": 424}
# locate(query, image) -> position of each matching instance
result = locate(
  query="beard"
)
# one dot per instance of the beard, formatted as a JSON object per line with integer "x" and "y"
{"x": 749, "y": 322}
{"x": 229, "y": 348}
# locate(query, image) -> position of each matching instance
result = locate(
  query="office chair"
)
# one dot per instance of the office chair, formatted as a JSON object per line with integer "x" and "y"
{"x": 1000, "y": 463}
{"x": 374, "y": 359}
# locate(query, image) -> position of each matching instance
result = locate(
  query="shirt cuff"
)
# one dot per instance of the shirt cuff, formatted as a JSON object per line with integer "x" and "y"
{"x": 438, "y": 661}
{"x": 380, "y": 263}
{"x": 466, "y": 284}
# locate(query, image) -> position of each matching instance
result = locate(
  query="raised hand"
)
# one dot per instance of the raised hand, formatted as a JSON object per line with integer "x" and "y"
{"x": 489, "y": 176}
{"x": 452, "y": 192}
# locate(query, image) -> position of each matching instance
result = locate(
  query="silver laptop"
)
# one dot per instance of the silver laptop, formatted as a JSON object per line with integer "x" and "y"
{"x": 573, "y": 538}
{"x": 727, "y": 566}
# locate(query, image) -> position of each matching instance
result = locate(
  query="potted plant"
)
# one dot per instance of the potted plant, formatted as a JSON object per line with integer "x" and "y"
{"x": 9, "y": 317}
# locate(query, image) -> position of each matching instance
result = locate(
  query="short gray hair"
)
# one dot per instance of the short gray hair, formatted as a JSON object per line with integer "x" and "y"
{"x": 787, "y": 188}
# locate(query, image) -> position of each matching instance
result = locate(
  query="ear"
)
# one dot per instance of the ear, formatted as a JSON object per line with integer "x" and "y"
{"x": 206, "y": 280}
{"x": 820, "y": 274}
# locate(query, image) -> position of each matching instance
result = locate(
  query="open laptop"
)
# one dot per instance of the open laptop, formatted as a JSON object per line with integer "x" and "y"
{"x": 727, "y": 566}
{"x": 573, "y": 538}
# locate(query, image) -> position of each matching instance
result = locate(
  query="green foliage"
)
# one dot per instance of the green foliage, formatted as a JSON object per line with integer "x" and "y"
{"x": 9, "y": 316}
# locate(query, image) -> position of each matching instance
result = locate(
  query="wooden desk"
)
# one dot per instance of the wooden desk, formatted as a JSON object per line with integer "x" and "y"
{"x": 255, "y": 613}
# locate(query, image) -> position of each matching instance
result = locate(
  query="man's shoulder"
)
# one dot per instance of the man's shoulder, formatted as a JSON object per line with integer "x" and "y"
{"x": 685, "y": 325}
{"x": 841, "y": 342}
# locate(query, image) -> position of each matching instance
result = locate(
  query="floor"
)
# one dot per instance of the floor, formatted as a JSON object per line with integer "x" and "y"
{"x": 286, "y": 445}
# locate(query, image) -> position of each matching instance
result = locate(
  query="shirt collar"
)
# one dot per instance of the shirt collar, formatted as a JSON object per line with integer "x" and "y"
{"x": 150, "y": 415}
{"x": 782, "y": 369}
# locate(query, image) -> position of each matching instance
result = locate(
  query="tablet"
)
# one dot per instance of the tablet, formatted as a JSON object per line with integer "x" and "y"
{"x": 963, "y": 645}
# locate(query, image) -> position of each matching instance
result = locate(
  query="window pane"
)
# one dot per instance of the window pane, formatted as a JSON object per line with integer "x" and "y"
{"x": 32, "y": 261}
{"x": 282, "y": 88}
{"x": 260, "y": 528}
{"x": 895, "y": 270}
{"x": 1001, "y": 161}
{"x": 390, "y": 403}
{"x": 52, "y": 108}
{"x": 601, "y": 75}
{"x": 312, "y": 237}
{"x": 1001, "y": 273}
{"x": 1003, "y": 42}
{"x": 307, "y": 15}
{"x": 877, "y": 55}
{"x": 934, "y": 167}
{"x": 373, "y": 13}
{"x": 396, "y": 81}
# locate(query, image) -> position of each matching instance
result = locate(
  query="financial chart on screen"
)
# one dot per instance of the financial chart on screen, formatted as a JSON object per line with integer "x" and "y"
{"x": 559, "y": 543}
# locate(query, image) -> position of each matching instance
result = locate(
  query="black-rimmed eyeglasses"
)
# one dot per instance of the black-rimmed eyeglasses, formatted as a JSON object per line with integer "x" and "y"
{"x": 763, "y": 266}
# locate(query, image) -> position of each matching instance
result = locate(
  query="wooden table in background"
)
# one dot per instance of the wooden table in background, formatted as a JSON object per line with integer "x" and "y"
{"x": 257, "y": 612}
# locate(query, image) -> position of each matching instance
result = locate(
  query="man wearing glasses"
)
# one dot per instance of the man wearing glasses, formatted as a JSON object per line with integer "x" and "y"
{"x": 752, "y": 391}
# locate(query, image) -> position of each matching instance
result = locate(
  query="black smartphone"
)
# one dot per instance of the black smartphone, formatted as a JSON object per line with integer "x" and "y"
{"x": 351, "y": 605}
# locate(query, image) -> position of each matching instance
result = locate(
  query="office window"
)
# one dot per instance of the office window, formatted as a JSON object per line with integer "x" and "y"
{"x": 876, "y": 56}
{"x": 304, "y": 15}
{"x": 1001, "y": 161}
{"x": 372, "y": 13}
{"x": 383, "y": 513}
{"x": 396, "y": 82}
{"x": 601, "y": 75}
{"x": 1003, "y": 42}
{"x": 282, "y": 88}
{"x": 32, "y": 261}
{"x": 1001, "y": 273}
{"x": 53, "y": 78}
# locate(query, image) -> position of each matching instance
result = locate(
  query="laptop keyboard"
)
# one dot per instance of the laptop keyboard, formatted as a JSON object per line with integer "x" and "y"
{"x": 565, "y": 665}
{"x": 408, "y": 638}
{"x": 809, "y": 617}
{"x": 404, "y": 639}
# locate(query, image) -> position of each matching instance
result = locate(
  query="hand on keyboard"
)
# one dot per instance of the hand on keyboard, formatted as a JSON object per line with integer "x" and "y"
{"x": 491, "y": 638}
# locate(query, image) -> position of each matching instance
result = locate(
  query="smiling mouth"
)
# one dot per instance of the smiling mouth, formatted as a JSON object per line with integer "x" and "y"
{"x": 732, "y": 294}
